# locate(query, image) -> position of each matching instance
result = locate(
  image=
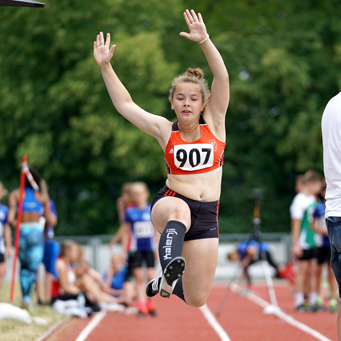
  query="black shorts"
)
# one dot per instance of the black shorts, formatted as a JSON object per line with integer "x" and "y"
{"x": 204, "y": 215}
{"x": 323, "y": 255}
{"x": 2, "y": 258}
{"x": 142, "y": 257}
{"x": 308, "y": 254}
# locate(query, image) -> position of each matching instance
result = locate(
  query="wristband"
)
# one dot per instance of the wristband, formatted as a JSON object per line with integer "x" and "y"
{"x": 201, "y": 42}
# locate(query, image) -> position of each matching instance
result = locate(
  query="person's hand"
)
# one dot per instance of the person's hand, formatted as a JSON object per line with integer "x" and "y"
{"x": 9, "y": 252}
{"x": 102, "y": 53}
{"x": 197, "y": 28}
{"x": 297, "y": 251}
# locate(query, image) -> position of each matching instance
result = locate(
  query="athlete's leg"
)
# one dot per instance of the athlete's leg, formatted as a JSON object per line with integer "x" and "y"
{"x": 129, "y": 293}
{"x": 270, "y": 260}
{"x": 312, "y": 282}
{"x": 31, "y": 250}
{"x": 2, "y": 272}
{"x": 201, "y": 258}
{"x": 332, "y": 282}
{"x": 48, "y": 286}
{"x": 172, "y": 218}
{"x": 303, "y": 266}
{"x": 87, "y": 284}
{"x": 319, "y": 269}
{"x": 170, "y": 208}
{"x": 141, "y": 289}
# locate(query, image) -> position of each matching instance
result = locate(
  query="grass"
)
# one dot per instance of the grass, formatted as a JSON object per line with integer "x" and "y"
{"x": 11, "y": 330}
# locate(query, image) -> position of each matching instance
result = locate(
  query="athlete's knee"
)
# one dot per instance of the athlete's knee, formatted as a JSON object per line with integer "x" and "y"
{"x": 181, "y": 213}
{"x": 195, "y": 302}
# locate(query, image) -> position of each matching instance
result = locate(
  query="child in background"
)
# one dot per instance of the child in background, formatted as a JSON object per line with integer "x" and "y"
{"x": 323, "y": 253}
{"x": 114, "y": 278}
{"x": 142, "y": 244}
{"x": 304, "y": 246}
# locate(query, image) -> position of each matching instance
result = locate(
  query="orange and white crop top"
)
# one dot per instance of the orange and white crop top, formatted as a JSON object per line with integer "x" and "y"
{"x": 200, "y": 156}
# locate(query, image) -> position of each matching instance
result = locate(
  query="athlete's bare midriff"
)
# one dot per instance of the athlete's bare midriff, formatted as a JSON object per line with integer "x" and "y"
{"x": 200, "y": 187}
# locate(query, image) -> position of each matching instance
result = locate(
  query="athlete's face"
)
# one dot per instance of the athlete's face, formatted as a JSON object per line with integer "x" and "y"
{"x": 139, "y": 195}
{"x": 187, "y": 102}
{"x": 116, "y": 262}
{"x": 73, "y": 254}
{"x": 314, "y": 187}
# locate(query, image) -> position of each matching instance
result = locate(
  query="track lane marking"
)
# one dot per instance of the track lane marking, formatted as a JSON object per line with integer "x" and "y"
{"x": 285, "y": 317}
{"x": 214, "y": 323}
{"x": 91, "y": 326}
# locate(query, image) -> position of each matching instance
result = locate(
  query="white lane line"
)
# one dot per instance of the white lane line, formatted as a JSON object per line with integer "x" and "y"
{"x": 52, "y": 329}
{"x": 91, "y": 326}
{"x": 214, "y": 323}
{"x": 280, "y": 314}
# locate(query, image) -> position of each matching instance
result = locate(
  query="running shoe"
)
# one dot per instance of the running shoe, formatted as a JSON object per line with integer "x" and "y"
{"x": 172, "y": 272}
{"x": 302, "y": 308}
{"x": 152, "y": 312}
{"x": 26, "y": 304}
{"x": 165, "y": 284}
{"x": 153, "y": 287}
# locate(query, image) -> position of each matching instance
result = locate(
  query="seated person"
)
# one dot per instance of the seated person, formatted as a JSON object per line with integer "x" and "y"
{"x": 87, "y": 283}
{"x": 250, "y": 252}
{"x": 114, "y": 277}
{"x": 63, "y": 286}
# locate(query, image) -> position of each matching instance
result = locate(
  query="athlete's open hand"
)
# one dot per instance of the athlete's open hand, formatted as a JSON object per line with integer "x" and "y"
{"x": 197, "y": 28}
{"x": 102, "y": 52}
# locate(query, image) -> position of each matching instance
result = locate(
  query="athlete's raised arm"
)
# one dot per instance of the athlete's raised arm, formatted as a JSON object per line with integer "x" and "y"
{"x": 153, "y": 125}
{"x": 217, "y": 105}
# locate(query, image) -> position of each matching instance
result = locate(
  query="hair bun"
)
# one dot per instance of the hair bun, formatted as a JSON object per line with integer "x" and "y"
{"x": 198, "y": 73}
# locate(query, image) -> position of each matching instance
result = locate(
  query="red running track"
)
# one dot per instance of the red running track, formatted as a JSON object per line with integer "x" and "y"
{"x": 240, "y": 318}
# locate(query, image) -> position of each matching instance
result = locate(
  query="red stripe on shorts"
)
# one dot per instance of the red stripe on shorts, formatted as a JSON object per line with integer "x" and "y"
{"x": 166, "y": 194}
{"x": 218, "y": 213}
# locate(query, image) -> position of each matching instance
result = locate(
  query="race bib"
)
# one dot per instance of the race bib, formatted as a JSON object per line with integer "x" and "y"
{"x": 192, "y": 157}
{"x": 143, "y": 229}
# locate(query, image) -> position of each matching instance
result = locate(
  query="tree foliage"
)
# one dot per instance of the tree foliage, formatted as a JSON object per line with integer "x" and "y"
{"x": 283, "y": 58}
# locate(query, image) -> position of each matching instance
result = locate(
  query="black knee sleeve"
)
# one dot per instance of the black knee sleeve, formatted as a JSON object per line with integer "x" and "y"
{"x": 171, "y": 242}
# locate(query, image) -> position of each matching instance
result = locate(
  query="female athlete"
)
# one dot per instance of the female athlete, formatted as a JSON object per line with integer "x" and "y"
{"x": 31, "y": 243}
{"x": 185, "y": 212}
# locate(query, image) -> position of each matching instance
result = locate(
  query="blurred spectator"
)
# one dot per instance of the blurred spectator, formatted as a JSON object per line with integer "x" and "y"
{"x": 304, "y": 246}
{"x": 31, "y": 244}
{"x": 5, "y": 235}
{"x": 63, "y": 286}
{"x": 142, "y": 244}
{"x": 249, "y": 252}
{"x": 51, "y": 252}
{"x": 114, "y": 277}
{"x": 86, "y": 283}
{"x": 323, "y": 253}
{"x": 122, "y": 203}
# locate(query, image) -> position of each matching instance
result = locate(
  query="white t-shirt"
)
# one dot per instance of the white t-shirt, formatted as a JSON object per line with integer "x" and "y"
{"x": 331, "y": 136}
{"x": 300, "y": 204}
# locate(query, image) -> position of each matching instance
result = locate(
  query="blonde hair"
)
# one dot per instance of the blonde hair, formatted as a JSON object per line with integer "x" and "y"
{"x": 312, "y": 176}
{"x": 139, "y": 184}
{"x": 66, "y": 245}
{"x": 195, "y": 76}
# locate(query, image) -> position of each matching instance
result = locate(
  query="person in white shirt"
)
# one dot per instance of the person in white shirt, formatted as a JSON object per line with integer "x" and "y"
{"x": 331, "y": 137}
{"x": 303, "y": 238}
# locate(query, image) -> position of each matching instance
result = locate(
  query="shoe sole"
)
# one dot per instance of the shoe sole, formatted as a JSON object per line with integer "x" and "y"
{"x": 173, "y": 271}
